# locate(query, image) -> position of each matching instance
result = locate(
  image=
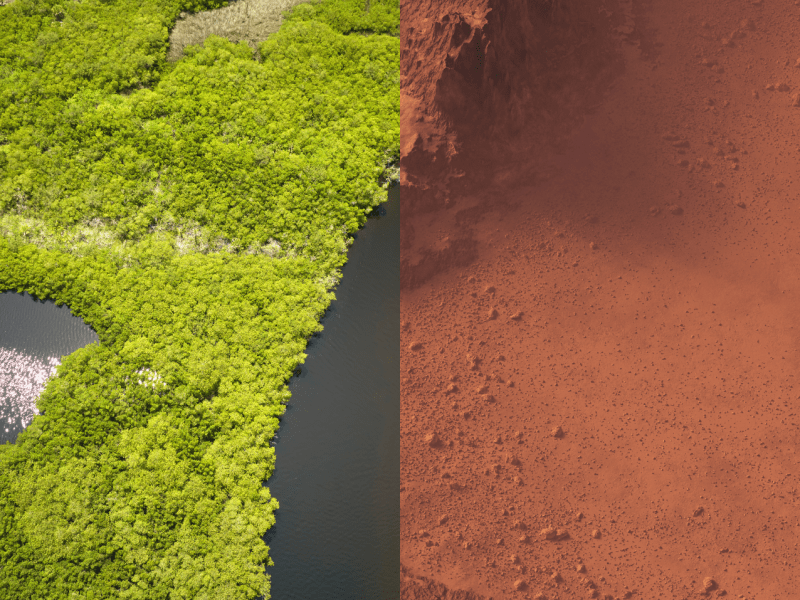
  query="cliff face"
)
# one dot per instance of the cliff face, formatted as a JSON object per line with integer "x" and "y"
{"x": 490, "y": 80}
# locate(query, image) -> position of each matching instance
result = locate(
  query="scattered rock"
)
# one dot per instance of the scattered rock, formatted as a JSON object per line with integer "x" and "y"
{"x": 592, "y": 246}
{"x": 596, "y": 534}
{"x": 451, "y": 389}
{"x": 781, "y": 87}
{"x": 755, "y": 94}
{"x": 770, "y": 87}
{"x": 683, "y": 163}
{"x": 797, "y": 64}
{"x": 520, "y": 584}
{"x": 556, "y": 576}
{"x": 548, "y": 533}
{"x": 655, "y": 211}
{"x": 675, "y": 209}
{"x": 557, "y": 432}
{"x": 490, "y": 289}
{"x": 516, "y": 316}
{"x": 415, "y": 346}
{"x": 698, "y": 511}
{"x": 703, "y": 163}
{"x": 467, "y": 545}
{"x": 748, "y": 24}
{"x": 517, "y": 480}
{"x": 498, "y": 440}
{"x": 540, "y": 596}
{"x": 685, "y": 143}
{"x": 492, "y": 314}
{"x": 524, "y": 539}
{"x": 592, "y": 219}
{"x": 579, "y": 516}
{"x": 514, "y": 559}
{"x": 581, "y": 568}
{"x": 432, "y": 439}
{"x": 709, "y": 584}
{"x": 455, "y": 486}
{"x": 718, "y": 184}
{"x": 499, "y": 542}
{"x": 723, "y": 550}
{"x": 796, "y": 99}
{"x": 443, "y": 519}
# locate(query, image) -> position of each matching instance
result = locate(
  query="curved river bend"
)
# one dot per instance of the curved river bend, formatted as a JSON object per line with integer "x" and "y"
{"x": 338, "y": 448}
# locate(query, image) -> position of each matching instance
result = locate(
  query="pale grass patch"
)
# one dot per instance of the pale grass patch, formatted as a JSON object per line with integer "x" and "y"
{"x": 250, "y": 21}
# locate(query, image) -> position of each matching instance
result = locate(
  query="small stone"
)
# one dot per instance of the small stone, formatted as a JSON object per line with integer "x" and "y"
{"x": 581, "y": 568}
{"x": 520, "y": 525}
{"x": 423, "y": 533}
{"x": 557, "y": 432}
{"x": 781, "y": 87}
{"x": 415, "y": 346}
{"x": 499, "y": 542}
{"x": 492, "y": 314}
{"x": 520, "y": 584}
{"x": 596, "y": 534}
{"x": 698, "y": 511}
{"x": 490, "y": 289}
{"x": 770, "y": 87}
{"x": 433, "y": 440}
{"x": 755, "y": 94}
{"x": 655, "y": 211}
{"x": 579, "y": 516}
{"x": 592, "y": 246}
{"x": 556, "y": 576}
{"x": 683, "y": 163}
{"x": 540, "y": 596}
{"x": 723, "y": 550}
{"x": 718, "y": 184}
{"x": 548, "y": 533}
{"x": 467, "y": 545}
{"x": 675, "y": 209}
{"x": 709, "y": 584}
{"x": 796, "y": 99}
{"x": 451, "y": 389}
{"x": 498, "y": 440}
{"x": 592, "y": 219}
{"x": 797, "y": 64}
{"x": 516, "y": 316}
{"x": 517, "y": 480}
{"x": 443, "y": 519}
{"x": 524, "y": 539}
{"x": 562, "y": 534}
{"x": 514, "y": 559}
{"x": 747, "y": 24}
{"x": 703, "y": 163}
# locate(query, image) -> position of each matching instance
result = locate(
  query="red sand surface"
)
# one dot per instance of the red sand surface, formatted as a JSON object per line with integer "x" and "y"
{"x": 624, "y": 266}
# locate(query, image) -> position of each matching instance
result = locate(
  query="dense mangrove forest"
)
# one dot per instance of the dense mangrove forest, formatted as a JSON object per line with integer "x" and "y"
{"x": 196, "y": 214}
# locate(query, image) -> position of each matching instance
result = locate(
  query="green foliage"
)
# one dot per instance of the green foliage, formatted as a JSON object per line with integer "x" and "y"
{"x": 352, "y": 16}
{"x": 198, "y": 225}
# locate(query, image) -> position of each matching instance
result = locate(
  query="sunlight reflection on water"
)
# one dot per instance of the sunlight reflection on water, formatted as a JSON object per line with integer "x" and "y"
{"x": 22, "y": 379}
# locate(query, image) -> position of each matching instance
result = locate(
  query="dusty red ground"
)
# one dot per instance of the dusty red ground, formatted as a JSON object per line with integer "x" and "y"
{"x": 640, "y": 290}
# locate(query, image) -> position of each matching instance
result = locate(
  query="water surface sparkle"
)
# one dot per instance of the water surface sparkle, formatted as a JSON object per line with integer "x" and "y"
{"x": 22, "y": 379}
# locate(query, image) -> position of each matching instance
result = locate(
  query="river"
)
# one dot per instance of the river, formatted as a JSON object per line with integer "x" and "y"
{"x": 338, "y": 446}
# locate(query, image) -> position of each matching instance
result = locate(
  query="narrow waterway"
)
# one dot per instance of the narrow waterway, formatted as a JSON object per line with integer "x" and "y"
{"x": 34, "y": 336}
{"x": 338, "y": 451}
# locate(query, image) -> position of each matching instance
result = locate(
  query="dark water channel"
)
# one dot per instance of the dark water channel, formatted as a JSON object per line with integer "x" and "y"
{"x": 34, "y": 336}
{"x": 338, "y": 448}
{"x": 336, "y": 478}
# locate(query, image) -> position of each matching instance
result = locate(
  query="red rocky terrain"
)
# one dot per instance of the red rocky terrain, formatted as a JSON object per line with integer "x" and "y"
{"x": 599, "y": 308}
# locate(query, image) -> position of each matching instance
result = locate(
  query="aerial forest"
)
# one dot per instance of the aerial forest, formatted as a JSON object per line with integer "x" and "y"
{"x": 196, "y": 214}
